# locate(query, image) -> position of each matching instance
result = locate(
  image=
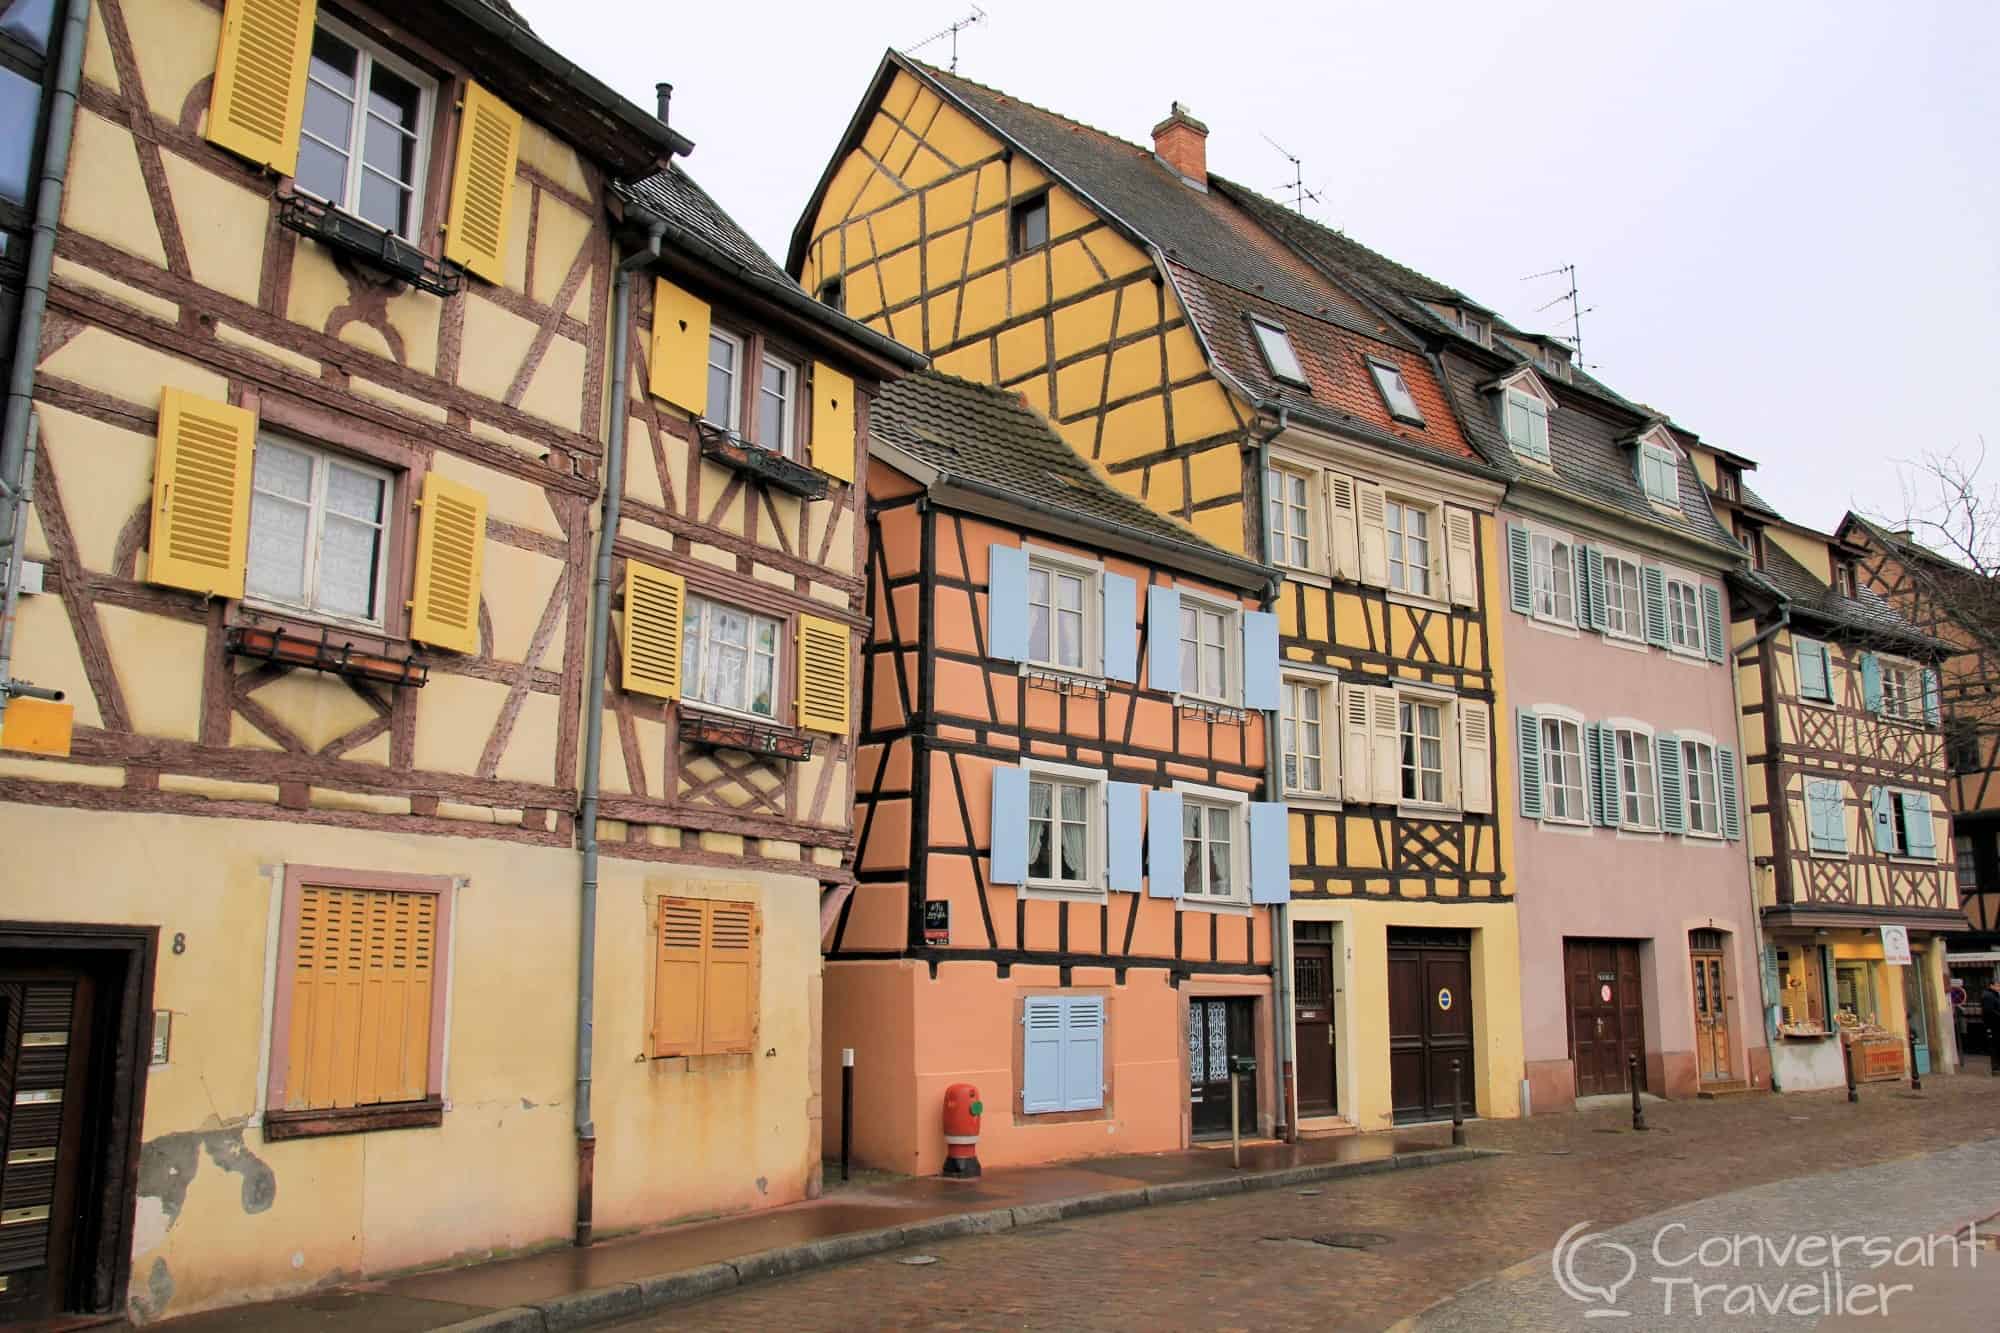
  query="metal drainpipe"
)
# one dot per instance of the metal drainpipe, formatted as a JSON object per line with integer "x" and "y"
{"x": 593, "y": 744}
{"x": 1766, "y": 982}
{"x": 1281, "y": 928}
{"x": 34, "y": 305}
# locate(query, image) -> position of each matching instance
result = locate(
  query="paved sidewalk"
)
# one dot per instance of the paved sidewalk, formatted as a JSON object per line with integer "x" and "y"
{"x": 564, "y": 1287}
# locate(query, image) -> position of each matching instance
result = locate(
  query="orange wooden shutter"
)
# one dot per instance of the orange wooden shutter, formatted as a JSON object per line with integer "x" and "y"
{"x": 824, "y": 675}
{"x": 259, "y": 93}
{"x": 201, "y": 495}
{"x": 364, "y": 963}
{"x": 451, "y": 550}
{"x": 833, "y": 422}
{"x": 677, "y": 978}
{"x": 651, "y": 640}
{"x": 729, "y": 980}
{"x": 489, "y": 148}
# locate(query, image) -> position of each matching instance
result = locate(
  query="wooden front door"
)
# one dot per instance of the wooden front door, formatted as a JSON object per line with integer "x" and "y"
{"x": 1217, "y": 1030}
{"x": 1430, "y": 1022}
{"x": 1607, "y": 1017}
{"x": 45, "y": 1057}
{"x": 1312, "y": 1003}
{"x": 1711, "y": 1015}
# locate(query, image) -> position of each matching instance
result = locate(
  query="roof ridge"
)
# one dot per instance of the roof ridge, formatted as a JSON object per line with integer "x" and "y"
{"x": 1036, "y": 107}
{"x": 1292, "y": 217}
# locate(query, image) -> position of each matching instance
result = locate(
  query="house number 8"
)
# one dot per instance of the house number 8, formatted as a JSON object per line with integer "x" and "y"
{"x": 180, "y": 941}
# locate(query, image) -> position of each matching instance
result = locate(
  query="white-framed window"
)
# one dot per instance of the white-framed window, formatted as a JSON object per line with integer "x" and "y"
{"x": 1420, "y": 728}
{"x": 1308, "y": 726}
{"x": 1562, "y": 771}
{"x": 364, "y": 141}
{"x": 1702, "y": 794}
{"x": 1554, "y": 571}
{"x": 1208, "y": 649}
{"x": 1528, "y": 424}
{"x": 1291, "y": 498}
{"x": 319, "y": 532}
{"x": 1683, "y": 616}
{"x": 1659, "y": 474}
{"x": 1395, "y": 391}
{"x": 1062, "y": 615}
{"x": 1638, "y": 788}
{"x": 1843, "y": 579}
{"x": 1472, "y": 326}
{"x": 777, "y": 403}
{"x": 1065, "y": 827}
{"x": 1555, "y": 362}
{"x": 1902, "y": 689}
{"x": 729, "y": 658}
{"x": 1215, "y": 860}
{"x": 1624, "y": 604}
{"x": 725, "y": 379}
{"x": 1276, "y": 345}
{"x": 1412, "y": 531}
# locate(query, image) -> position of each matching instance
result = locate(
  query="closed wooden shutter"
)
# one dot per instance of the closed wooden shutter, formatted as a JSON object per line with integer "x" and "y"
{"x": 705, "y": 977}
{"x": 1385, "y": 766}
{"x": 1475, "y": 756}
{"x": 650, "y": 644}
{"x": 259, "y": 93}
{"x": 677, "y": 369}
{"x": 677, "y": 977}
{"x": 482, "y": 183}
{"x": 729, "y": 981}
{"x": 201, "y": 495}
{"x": 832, "y": 422}
{"x": 1346, "y": 543}
{"x": 1354, "y": 742}
{"x": 363, "y": 965}
{"x": 1462, "y": 557}
{"x": 825, "y": 672}
{"x": 1042, "y": 1020}
{"x": 451, "y": 552}
{"x": 1371, "y": 507}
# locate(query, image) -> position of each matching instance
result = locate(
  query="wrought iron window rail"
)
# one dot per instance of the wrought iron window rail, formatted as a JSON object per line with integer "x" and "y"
{"x": 722, "y": 445}
{"x": 322, "y": 654}
{"x": 1222, "y": 714}
{"x": 1062, "y": 682}
{"x": 368, "y": 243}
{"x": 726, "y": 733}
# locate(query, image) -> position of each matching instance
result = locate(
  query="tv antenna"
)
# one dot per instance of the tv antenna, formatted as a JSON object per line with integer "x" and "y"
{"x": 1296, "y": 186}
{"x": 1577, "y": 310}
{"x": 977, "y": 15}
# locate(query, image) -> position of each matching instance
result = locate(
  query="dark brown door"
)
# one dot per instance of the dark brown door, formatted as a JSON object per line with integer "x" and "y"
{"x": 44, "y": 1058}
{"x": 1217, "y": 1030}
{"x": 1430, "y": 1023}
{"x": 1312, "y": 1003}
{"x": 1607, "y": 1018}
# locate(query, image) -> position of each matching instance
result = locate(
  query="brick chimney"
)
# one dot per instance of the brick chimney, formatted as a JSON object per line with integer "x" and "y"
{"x": 1181, "y": 142}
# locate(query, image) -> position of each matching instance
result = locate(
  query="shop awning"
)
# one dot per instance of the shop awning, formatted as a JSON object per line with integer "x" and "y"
{"x": 1984, "y": 956}
{"x": 1847, "y": 916}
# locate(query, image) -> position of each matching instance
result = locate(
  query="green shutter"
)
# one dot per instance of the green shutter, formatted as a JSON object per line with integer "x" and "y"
{"x": 1673, "y": 807}
{"x": 1815, "y": 677}
{"x": 1884, "y": 817}
{"x": 1711, "y": 621}
{"x": 1932, "y": 712}
{"x": 1871, "y": 682}
{"x": 1654, "y": 580}
{"x": 1725, "y": 774}
{"x": 1520, "y": 573}
{"x": 1917, "y": 828}
{"x": 1528, "y": 762}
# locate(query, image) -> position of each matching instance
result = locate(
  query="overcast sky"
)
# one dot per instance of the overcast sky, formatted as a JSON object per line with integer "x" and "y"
{"x": 1785, "y": 216}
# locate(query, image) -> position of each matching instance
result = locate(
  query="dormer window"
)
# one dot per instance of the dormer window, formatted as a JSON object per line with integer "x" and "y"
{"x": 1395, "y": 392}
{"x": 1527, "y": 424}
{"x": 1659, "y": 474}
{"x": 1843, "y": 579}
{"x": 1731, "y": 483}
{"x": 1276, "y": 346}
{"x": 1472, "y": 326}
{"x": 1555, "y": 361}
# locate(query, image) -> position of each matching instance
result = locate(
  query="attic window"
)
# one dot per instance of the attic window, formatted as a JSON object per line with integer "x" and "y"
{"x": 1555, "y": 361}
{"x": 1028, "y": 224}
{"x": 1660, "y": 474}
{"x": 1278, "y": 354}
{"x": 1472, "y": 326}
{"x": 1528, "y": 424}
{"x": 1843, "y": 579}
{"x": 1396, "y": 393}
{"x": 1731, "y": 483}
{"x": 830, "y": 294}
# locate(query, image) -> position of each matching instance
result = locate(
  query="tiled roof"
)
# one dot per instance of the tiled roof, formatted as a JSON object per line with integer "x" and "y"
{"x": 673, "y": 194}
{"x": 1866, "y": 611}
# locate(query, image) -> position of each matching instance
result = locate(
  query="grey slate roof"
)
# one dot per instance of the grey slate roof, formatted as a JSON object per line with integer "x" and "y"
{"x": 675, "y": 195}
{"x": 1866, "y": 612}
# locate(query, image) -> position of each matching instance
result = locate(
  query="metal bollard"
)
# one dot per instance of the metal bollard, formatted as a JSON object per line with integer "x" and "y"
{"x": 846, "y": 1107}
{"x": 1457, "y": 1103}
{"x": 1235, "y": 1120}
{"x": 1847, "y": 1063}
{"x": 1638, "y": 1107}
{"x": 1916, "y": 1079}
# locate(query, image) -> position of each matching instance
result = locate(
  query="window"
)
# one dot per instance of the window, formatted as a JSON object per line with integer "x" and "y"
{"x": 831, "y": 294}
{"x": 1731, "y": 483}
{"x": 1683, "y": 616}
{"x": 730, "y": 658}
{"x": 1420, "y": 728}
{"x": 1472, "y": 326}
{"x": 1624, "y": 606}
{"x": 1902, "y": 690}
{"x": 1028, "y": 224}
{"x": 1291, "y": 517}
{"x": 1063, "y": 831}
{"x": 1562, "y": 771}
{"x": 1409, "y": 530}
{"x": 1205, "y": 652}
{"x": 725, "y": 369}
{"x": 1967, "y": 862}
{"x": 708, "y": 953}
{"x": 318, "y": 532}
{"x": 1903, "y": 824}
{"x": 1826, "y": 816}
{"x": 1704, "y": 800}
{"x": 1062, "y": 1053}
{"x": 1555, "y": 362}
{"x": 1961, "y": 744}
{"x": 777, "y": 403}
{"x": 1208, "y": 846}
{"x": 1396, "y": 393}
{"x": 1528, "y": 424}
{"x": 362, "y": 143}
{"x": 1637, "y": 789}
{"x": 1554, "y": 579}
{"x": 1303, "y": 718}
{"x": 1659, "y": 474}
{"x": 1060, "y": 618}
{"x": 1276, "y": 345}
{"x": 1843, "y": 579}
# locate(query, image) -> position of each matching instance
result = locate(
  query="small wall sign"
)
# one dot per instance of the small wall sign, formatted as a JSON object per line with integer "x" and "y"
{"x": 1896, "y": 945}
{"x": 1444, "y": 997}
{"x": 1604, "y": 992}
{"x": 937, "y": 921}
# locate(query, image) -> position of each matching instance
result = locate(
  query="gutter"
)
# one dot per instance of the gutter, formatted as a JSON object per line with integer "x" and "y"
{"x": 15, "y": 484}
{"x": 1281, "y": 913}
{"x": 593, "y": 745}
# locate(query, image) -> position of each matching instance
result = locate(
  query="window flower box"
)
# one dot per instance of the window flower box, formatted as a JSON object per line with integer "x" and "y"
{"x": 324, "y": 654}
{"x": 730, "y": 450}
{"x": 728, "y": 733}
{"x": 371, "y": 245}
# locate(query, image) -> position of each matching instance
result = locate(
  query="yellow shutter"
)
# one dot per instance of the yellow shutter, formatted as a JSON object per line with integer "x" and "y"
{"x": 833, "y": 422}
{"x": 364, "y": 963}
{"x": 823, "y": 675}
{"x": 679, "y": 365}
{"x": 729, "y": 980}
{"x": 677, "y": 977}
{"x": 201, "y": 494}
{"x": 651, "y": 641}
{"x": 451, "y": 548}
{"x": 259, "y": 93}
{"x": 482, "y": 182}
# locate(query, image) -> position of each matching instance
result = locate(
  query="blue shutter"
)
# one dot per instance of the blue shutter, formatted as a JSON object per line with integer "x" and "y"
{"x": 1673, "y": 804}
{"x": 1932, "y": 712}
{"x": 1010, "y": 825}
{"x": 1528, "y": 762}
{"x": 1654, "y": 580}
{"x": 1520, "y": 570}
{"x": 1917, "y": 826}
{"x": 1818, "y": 838}
{"x": 1007, "y": 603}
{"x": 1270, "y": 852}
{"x": 1770, "y": 975}
{"x": 1833, "y": 814}
{"x": 1083, "y": 1053}
{"x": 1125, "y": 862}
{"x": 1885, "y": 819}
{"x": 1163, "y": 640}
{"x": 1165, "y": 866}
{"x": 1260, "y": 660}
{"x": 1121, "y": 626}
{"x": 1725, "y": 783}
{"x": 1599, "y": 613}
{"x": 1711, "y": 621}
{"x": 1042, "y": 1053}
{"x": 1815, "y": 681}
{"x": 1871, "y": 682}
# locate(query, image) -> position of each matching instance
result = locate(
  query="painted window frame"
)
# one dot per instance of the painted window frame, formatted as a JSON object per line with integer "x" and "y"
{"x": 1273, "y": 339}
{"x": 692, "y": 668}
{"x": 734, "y": 421}
{"x": 1662, "y": 457}
{"x": 1632, "y": 611}
{"x": 1395, "y": 541}
{"x": 1908, "y": 677}
{"x": 1327, "y": 687}
{"x": 1091, "y": 646}
{"x": 1819, "y": 789}
{"x": 1645, "y": 755}
{"x": 1693, "y": 744}
{"x": 1547, "y": 716}
{"x": 429, "y": 94}
{"x": 1899, "y": 825}
{"x": 753, "y": 349}
{"x": 1232, "y": 649}
{"x": 1282, "y": 507}
{"x": 390, "y": 532}
{"x": 1093, "y": 887}
{"x": 1697, "y": 646}
{"x": 1474, "y": 327}
{"x": 1018, "y": 214}
{"x": 1555, "y": 362}
{"x": 1200, "y": 796}
{"x": 1409, "y": 744}
{"x": 1532, "y": 410}
{"x": 1540, "y": 562}
{"x": 1391, "y": 383}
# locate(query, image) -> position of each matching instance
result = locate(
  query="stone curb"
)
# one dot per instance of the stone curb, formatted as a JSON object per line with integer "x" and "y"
{"x": 621, "y": 1300}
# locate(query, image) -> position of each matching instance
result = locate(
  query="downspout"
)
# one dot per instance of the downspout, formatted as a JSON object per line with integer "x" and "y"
{"x": 1281, "y": 928}
{"x": 1767, "y": 981}
{"x": 593, "y": 717}
{"x": 15, "y": 484}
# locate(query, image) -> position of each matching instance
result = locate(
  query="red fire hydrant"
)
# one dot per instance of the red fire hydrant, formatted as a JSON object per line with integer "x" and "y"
{"x": 962, "y": 1109}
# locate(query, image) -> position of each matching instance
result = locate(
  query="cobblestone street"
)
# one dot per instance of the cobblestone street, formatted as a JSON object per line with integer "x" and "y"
{"x": 1250, "y": 1262}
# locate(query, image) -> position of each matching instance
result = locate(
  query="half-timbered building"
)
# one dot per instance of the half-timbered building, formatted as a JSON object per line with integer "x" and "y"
{"x": 1067, "y": 861}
